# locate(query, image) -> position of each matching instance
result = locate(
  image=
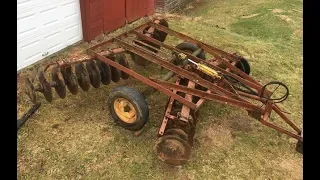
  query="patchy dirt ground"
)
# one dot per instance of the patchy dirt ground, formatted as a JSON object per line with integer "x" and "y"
{"x": 75, "y": 138}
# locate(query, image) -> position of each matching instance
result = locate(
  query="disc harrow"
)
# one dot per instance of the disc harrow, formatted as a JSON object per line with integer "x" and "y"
{"x": 81, "y": 74}
{"x": 191, "y": 79}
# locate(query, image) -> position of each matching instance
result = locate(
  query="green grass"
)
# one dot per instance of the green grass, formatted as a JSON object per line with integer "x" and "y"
{"x": 75, "y": 138}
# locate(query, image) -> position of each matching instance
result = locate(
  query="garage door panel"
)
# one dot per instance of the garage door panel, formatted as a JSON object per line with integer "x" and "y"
{"x": 71, "y": 33}
{"x": 24, "y": 3}
{"x": 70, "y": 9}
{"x": 28, "y": 52}
{"x": 53, "y": 41}
{"x": 46, "y": 28}
{"x": 49, "y": 17}
{"x": 26, "y": 24}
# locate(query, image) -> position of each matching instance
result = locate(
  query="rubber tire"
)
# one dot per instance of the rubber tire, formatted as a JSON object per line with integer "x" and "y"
{"x": 244, "y": 66}
{"x": 137, "y": 100}
{"x": 157, "y": 34}
{"x": 186, "y": 46}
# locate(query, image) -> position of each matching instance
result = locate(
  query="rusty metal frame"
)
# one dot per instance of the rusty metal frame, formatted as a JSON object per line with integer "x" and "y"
{"x": 216, "y": 90}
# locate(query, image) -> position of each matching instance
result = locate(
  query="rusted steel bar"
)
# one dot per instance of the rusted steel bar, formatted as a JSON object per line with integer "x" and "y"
{"x": 217, "y": 51}
{"x": 281, "y": 130}
{"x": 201, "y": 101}
{"x": 252, "y": 96}
{"x": 151, "y": 29}
{"x": 171, "y": 116}
{"x": 149, "y": 46}
{"x": 178, "y": 70}
{"x": 167, "y": 113}
{"x": 267, "y": 111}
{"x": 196, "y": 59}
{"x": 206, "y": 48}
{"x": 91, "y": 49}
{"x": 233, "y": 64}
{"x": 185, "y": 111}
{"x": 65, "y": 64}
{"x": 285, "y": 118}
{"x": 210, "y": 96}
{"x": 169, "y": 75}
{"x": 26, "y": 116}
{"x": 112, "y": 51}
{"x": 145, "y": 80}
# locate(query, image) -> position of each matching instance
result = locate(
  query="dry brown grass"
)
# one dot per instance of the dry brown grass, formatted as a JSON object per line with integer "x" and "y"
{"x": 75, "y": 138}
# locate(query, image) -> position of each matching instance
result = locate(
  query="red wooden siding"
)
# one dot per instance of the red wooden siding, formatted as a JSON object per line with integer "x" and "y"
{"x": 135, "y": 9}
{"x": 92, "y": 18}
{"x": 150, "y": 7}
{"x": 114, "y": 14}
{"x": 100, "y": 16}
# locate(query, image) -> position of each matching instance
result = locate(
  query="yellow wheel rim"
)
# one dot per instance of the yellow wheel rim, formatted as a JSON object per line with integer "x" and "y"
{"x": 125, "y": 110}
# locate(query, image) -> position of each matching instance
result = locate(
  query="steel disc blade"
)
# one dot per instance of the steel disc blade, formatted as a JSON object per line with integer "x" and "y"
{"x": 82, "y": 76}
{"x": 172, "y": 150}
{"x": 124, "y": 62}
{"x": 177, "y": 132}
{"x": 46, "y": 87}
{"x": 105, "y": 72}
{"x": 115, "y": 73}
{"x": 70, "y": 80}
{"x": 94, "y": 73}
{"x": 29, "y": 90}
{"x": 59, "y": 86}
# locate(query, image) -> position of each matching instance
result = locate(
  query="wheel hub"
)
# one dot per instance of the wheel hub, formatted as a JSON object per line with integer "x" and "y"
{"x": 125, "y": 110}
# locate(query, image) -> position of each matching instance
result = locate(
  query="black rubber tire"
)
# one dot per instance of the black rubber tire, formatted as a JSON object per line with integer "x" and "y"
{"x": 186, "y": 46}
{"x": 158, "y": 35}
{"x": 94, "y": 73}
{"x": 244, "y": 66}
{"x": 122, "y": 60}
{"x": 137, "y": 100}
{"x": 162, "y": 35}
{"x": 105, "y": 72}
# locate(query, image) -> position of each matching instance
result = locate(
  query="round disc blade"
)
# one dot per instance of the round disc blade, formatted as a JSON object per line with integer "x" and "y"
{"x": 124, "y": 62}
{"x": 46, "y": 87}
{"x": 82, "y": 76}
{"x": 70, "y": 80}
{"x": 59, "y": 86}
{"x": 177, "y": 132}
{"x": 172, "y": 150}
{"x": 29, "y": 90}
{"x": 105, "y": 72}
{"x": 94, "y": 73}
{"x": 115, "y": 73}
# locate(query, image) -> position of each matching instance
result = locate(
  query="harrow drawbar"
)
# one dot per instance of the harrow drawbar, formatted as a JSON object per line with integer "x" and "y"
{"x": 191, "y": 80}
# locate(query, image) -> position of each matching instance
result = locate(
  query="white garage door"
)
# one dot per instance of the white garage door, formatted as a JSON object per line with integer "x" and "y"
{"x": 45, "y": 27}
